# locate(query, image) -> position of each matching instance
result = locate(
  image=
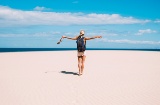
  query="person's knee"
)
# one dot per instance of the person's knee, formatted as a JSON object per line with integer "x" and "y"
{"x": 79, "y": 64}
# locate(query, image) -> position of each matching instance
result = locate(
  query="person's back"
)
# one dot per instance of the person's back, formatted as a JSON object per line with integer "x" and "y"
{"x": 81, "y": 45}
{"x": 81, "y": 48}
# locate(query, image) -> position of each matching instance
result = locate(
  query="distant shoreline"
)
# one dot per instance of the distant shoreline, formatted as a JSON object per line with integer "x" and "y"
{"x": 68, "y": 49}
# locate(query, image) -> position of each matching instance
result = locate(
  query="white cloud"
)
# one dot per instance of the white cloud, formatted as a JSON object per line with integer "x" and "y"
{"x": 38, "y": 8}
{"x": 130, "y": 41}
{"x": 157, "y": 21}
{"x": 102, "y": 34}
{"x": 38, "y": 34}
{"x": 146, "y": 31}
{"x": 13, "y": 17}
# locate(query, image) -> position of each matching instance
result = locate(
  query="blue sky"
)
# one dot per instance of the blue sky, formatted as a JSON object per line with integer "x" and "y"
{"x": 40, "y": 23}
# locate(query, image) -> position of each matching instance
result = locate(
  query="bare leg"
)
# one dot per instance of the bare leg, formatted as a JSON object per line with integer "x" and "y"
{"x": 83, "y": 61}
{"x": 79, "y": 64}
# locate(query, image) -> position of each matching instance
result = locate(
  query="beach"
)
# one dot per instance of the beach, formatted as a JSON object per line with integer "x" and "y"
{"x": 50, "y": 78}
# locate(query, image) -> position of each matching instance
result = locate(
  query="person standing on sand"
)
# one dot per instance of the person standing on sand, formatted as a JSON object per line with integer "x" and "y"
{"x": 81, "y": 54}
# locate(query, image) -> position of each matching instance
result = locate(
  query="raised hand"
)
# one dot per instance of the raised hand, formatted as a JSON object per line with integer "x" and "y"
{"x": 98, "y": 36}
{"x": 64, "y": 36}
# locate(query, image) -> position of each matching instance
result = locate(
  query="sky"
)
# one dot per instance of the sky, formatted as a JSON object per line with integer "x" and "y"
{"x": 41, "y": 23}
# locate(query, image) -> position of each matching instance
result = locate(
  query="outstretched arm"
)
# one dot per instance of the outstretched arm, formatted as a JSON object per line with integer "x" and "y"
{"x": 93, "y": 37}
{"x": 74, "y": 38}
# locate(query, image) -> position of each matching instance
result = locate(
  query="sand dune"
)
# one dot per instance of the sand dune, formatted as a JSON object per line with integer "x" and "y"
{"x": 50, "y": 78}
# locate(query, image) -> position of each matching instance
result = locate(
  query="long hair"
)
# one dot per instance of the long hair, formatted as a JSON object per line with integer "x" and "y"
{"x": 81, "y": 33}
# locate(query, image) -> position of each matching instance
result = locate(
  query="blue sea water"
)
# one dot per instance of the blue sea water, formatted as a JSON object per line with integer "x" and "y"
{"x": 66, "y": 49}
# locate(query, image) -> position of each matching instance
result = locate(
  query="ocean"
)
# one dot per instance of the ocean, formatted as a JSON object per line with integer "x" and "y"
{"x": 67, "y": 49}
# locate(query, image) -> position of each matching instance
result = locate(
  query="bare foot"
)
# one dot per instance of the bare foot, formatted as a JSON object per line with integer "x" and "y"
{"x": 79, "y": 74}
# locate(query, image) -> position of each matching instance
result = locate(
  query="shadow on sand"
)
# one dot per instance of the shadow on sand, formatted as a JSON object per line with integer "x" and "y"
{"x": 66, "y": 72}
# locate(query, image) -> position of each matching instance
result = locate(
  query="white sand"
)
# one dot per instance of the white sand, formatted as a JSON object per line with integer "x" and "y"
{"x": 110, "y": 78}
